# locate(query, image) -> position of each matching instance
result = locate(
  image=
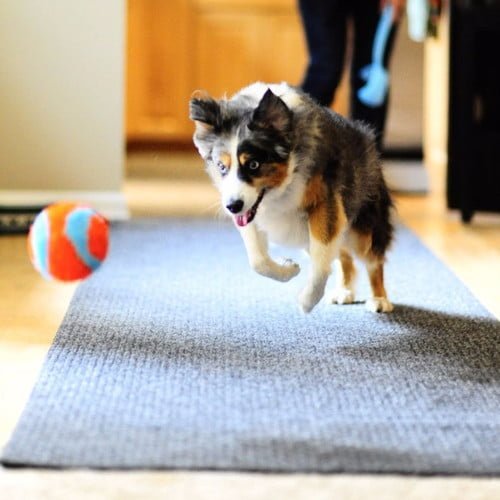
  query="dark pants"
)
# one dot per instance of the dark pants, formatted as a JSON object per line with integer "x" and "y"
{"x": 325, "y": 23}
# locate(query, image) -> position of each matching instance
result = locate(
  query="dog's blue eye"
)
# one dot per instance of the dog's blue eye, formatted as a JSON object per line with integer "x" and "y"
{"x": 253, "y": 165}
{"x": 222, "y": 167}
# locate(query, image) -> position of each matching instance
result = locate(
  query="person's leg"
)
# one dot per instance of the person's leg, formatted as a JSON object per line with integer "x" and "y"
{"x": 366, "y": 15}
{"x": 324, "y": 24}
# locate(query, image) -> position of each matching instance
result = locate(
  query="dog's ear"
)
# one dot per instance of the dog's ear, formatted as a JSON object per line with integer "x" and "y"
{"x": 205, "y": 112}
{"x": 271, "y": 113}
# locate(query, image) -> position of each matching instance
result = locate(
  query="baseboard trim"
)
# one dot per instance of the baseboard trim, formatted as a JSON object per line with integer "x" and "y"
{"x": 406, "y": 176}
{"x": 111, "y": 204}
{"x": 402, "y": 153}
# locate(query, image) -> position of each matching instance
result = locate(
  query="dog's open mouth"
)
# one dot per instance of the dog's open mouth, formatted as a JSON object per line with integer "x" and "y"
{"x": 248, "y": 216}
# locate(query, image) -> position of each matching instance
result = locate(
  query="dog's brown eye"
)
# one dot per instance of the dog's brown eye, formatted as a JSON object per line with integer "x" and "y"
{"x": 253, "y": 165}
{"x": 222, "y": 168}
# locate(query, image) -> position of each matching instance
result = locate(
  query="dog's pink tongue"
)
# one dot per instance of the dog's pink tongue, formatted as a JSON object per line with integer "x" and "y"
{"x": 242, "y": 220}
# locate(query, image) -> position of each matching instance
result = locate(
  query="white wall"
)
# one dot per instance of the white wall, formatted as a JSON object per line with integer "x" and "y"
{"x": 61, "y": 99}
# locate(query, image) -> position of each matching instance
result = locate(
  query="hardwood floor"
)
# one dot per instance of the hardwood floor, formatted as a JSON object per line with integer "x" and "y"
{"x": 31, "y": 310}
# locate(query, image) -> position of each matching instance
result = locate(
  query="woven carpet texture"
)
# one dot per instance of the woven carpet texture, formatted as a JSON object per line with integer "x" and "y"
{"x": 175, "y": 354}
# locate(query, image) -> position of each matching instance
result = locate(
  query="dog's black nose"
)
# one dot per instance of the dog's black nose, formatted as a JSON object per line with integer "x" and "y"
{"x": 235, "y": 206}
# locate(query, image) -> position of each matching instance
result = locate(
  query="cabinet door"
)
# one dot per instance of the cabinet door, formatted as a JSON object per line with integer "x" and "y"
{"x": 238, "y": 43}
{"x": 178, "y": 46}
{"x": 159, "y": 80}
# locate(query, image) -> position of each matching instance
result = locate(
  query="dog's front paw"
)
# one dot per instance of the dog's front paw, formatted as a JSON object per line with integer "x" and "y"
{"x": 308, "y": 298}
{"x": 279, "y": 272}
{"x": 287, "y": 269}
{"x": 342, "y": 296}
{"x": 379, "y": 304}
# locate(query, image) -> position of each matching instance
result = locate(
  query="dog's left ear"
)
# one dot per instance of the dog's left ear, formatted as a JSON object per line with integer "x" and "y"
{"x": 271, "y": 113}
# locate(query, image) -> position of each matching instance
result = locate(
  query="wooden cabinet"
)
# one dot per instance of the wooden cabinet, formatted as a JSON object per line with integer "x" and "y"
{"x": 159, "y": 69}
{"x": 178, "y": 46}
{"x": 236, "y": 46}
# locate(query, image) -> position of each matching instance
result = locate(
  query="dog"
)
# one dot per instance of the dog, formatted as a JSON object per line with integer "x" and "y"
{"x": 297, "y": 174}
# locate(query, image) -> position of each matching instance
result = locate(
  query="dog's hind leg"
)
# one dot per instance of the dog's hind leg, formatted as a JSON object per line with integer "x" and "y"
{"x": 379, "y": 301}
{"x": 362, "y": 245}
{"x": 345, "y": 275}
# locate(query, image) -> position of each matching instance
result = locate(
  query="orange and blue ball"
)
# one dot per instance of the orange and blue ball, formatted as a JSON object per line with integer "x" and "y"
{"x": 68, "y": 241}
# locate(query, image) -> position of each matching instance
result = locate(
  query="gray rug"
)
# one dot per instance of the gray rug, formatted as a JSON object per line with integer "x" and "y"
{"x": 176, "y": 355}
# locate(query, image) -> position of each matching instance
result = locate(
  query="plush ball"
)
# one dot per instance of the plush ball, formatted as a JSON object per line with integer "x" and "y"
{"x": 68, "y": 241}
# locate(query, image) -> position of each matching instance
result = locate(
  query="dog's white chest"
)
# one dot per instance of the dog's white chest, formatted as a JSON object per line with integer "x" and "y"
{"x": 280, "y": 217}
{"x": 284, "y": 228}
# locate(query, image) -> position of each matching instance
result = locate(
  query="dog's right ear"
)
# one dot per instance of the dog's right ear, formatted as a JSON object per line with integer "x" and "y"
{"x": 271, "y": 113}
{"x": 205, "y": 112}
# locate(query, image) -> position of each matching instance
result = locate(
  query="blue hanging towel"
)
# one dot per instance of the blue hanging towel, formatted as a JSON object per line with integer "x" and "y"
{"x": 376, "y": 76}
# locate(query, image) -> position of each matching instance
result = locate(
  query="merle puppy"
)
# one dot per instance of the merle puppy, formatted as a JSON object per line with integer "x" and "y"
{"x": 295, "y": 173}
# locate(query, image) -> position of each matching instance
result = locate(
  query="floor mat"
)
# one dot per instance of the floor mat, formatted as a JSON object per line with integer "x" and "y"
{"x": 175, "y": 354}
